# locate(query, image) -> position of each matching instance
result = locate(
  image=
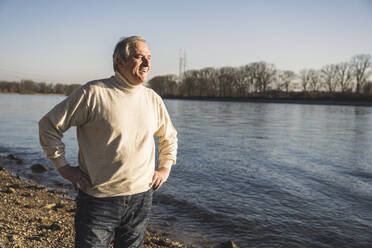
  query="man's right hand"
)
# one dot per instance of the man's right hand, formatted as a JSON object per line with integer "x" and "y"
{"x": 76, "y": 176}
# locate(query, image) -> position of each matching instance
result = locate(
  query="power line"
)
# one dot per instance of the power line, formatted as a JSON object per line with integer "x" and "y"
{"x": 22, "y": 75}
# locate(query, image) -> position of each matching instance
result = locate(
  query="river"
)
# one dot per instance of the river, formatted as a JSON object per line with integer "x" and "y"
{"x": 260, "y": 174}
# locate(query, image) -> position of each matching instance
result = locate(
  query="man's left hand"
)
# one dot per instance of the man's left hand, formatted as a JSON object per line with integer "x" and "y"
{"x": 160, "y": 177}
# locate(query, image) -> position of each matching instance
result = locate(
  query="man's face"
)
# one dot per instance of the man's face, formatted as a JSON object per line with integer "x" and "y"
{"x": 137, "y": 66}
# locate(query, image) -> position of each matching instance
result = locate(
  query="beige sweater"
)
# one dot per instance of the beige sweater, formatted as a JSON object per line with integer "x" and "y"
{"x": 116, "y": 124}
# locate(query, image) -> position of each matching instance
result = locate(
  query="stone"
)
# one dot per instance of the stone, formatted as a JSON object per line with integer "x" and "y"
{"x": 49, "y": 206}
{"x": 51, "y": 227}
{"x": 15, "y": 186}
{"x": 13, "y": 157}
{"x": 54, "y": 227}
{"x": 10, "y": 190}
{"x": 46, "y": 222}
{"x": 228, "y": 244}
{"x": 37, "y": 238}
{"x": 39, "y": 168}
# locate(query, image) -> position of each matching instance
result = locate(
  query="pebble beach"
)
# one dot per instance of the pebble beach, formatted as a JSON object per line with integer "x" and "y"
{"x": 33, "y": 216}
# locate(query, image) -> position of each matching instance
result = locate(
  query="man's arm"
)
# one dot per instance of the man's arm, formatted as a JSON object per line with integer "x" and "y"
{"x": 72, "y": 111}
{"x": 168, "y": 144}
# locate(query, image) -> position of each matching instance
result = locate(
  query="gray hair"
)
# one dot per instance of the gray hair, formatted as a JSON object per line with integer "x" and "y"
{"x": 123, "y": 49}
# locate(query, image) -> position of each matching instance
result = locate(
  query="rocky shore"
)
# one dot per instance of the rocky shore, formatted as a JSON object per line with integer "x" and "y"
{"x": 33, "y": 216}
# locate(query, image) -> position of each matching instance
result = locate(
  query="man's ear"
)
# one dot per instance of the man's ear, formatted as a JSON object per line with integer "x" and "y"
{"x": 120, "y": 62}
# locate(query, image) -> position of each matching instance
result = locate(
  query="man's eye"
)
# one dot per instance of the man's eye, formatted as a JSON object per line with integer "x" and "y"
{"x": 139, "y": 56}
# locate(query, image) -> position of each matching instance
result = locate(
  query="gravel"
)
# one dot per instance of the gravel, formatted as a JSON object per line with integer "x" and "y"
{"x": 33, "y": 216}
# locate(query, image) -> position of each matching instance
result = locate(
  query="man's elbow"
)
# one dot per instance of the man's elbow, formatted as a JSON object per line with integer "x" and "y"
{"x": 45, "y": 126}
{"x": 41, "y": 123}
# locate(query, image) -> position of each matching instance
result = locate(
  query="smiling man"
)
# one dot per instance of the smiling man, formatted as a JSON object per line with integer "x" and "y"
{"x": 136, "y": 68}
{"x": 116, "y": 119}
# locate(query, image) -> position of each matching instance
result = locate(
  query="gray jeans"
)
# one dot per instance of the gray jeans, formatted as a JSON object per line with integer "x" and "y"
{"x": 125, "y": 218}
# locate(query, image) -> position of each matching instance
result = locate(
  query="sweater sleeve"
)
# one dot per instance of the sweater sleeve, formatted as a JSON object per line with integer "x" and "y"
{"x": 168, "y": 142}
{"x": 72, "y": 111}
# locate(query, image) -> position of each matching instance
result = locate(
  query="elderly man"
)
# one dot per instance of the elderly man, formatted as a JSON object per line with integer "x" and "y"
{"x": 116, "y": 119}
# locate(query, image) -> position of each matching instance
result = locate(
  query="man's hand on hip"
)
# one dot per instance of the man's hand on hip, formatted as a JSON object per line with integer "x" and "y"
{"x": 76, "y": 176}
{"x": 160, "y": 177}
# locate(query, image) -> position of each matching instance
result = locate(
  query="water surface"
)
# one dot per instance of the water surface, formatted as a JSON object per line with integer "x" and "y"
{"x": 263, "y": 175}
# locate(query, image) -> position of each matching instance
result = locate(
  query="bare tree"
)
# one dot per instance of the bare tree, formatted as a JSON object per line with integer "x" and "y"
{"x": 241, "y": 80}
{"x": 164, "y": 85}
{"x": 344, "y": 76}
{"x": 226, "y": 78}
{"x": 263, "y": 73}
{"x": 28, "y": 86}
{"x": 305, "y": 79}
{"x": 190, "y": 84}
{"x": 252, "y": 79}
{"x": 367, "y": 88}
{"x": 70, "y": 88}
{"x": 285, "y": 80}
{"x": 207, "y": 82}
{"x": 361, "y": 65}
{"x": 314, "y": 77}
{"x": 329, "y": 77}
{"x": 60, "y": 88}
{"x": 258, "y": 77}
{"x": 44, "y": 88}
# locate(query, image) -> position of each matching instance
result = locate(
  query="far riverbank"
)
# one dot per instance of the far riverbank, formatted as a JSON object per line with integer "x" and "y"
{"x": 365, "y": 101}
{"x": 324, "y": 100}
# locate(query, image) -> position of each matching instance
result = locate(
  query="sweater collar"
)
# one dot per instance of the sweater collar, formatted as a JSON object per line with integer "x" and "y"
{"x": 123, "y": 84}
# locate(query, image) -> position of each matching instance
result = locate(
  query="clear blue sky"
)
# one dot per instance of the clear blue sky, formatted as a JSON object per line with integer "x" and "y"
{"x": 72, "y": 41}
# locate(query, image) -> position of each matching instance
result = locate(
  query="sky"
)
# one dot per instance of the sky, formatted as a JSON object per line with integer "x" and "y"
{"x": 72, "y": 41}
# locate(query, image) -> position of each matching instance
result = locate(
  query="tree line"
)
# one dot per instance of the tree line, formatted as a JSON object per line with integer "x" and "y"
{"x": 257, "y": 79}
{"x": 263, "y": 79}
{"x": 31, "y": 87}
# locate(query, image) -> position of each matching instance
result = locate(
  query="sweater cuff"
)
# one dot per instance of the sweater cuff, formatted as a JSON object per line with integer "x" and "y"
{"x": 59, "y": 162}
{"x": 165, "y": 164}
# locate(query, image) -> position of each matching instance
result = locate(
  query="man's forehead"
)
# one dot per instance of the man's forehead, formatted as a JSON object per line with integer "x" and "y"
{"x": 141, "y": 47}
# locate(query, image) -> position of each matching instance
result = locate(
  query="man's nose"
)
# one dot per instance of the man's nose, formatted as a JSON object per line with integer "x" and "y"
{"x": 145, "y": 61}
